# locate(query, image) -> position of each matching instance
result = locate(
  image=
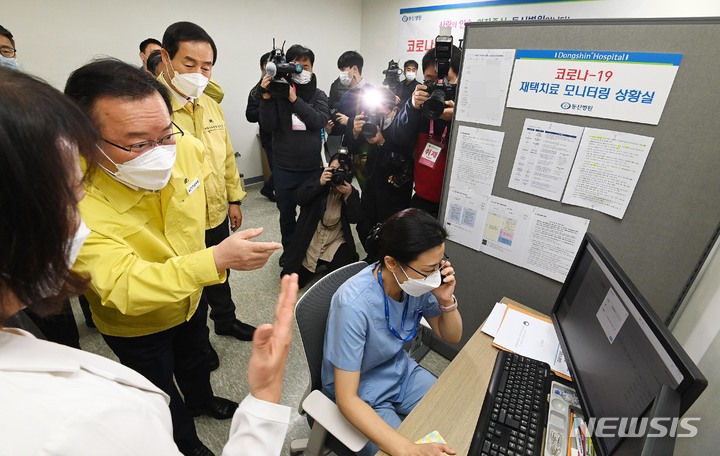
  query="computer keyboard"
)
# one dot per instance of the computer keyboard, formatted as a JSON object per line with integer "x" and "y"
{"x": 512, "y": 418}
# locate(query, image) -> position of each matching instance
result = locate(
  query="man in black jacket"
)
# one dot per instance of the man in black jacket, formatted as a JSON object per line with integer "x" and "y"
{"x": 296, "y": 112}
{"x": 387, "y": 166}
{"x": 252, "y": 114}
{"x": 328, "y": 205}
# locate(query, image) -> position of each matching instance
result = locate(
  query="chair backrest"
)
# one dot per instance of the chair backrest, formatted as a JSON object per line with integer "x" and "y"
{"x": 311, "y": 314}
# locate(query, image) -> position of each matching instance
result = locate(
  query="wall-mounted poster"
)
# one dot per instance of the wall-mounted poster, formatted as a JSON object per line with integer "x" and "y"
{"x": 628, "y": 86}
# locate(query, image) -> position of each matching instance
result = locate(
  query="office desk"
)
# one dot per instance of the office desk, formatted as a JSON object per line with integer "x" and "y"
{"x": 452, "y": 405}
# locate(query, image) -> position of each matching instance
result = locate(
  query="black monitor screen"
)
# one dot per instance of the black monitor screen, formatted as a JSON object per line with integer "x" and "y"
{"x": 618, "y": 351}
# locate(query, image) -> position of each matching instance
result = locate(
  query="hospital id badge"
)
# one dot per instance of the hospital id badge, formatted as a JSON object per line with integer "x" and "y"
{"x": 431, "y": 153}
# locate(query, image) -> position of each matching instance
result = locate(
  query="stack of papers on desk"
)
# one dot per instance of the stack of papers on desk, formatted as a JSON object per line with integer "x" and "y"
{"x": 520, "y": 332}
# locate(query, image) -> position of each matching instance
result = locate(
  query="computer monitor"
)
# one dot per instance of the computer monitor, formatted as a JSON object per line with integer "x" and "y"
{"x": 619, "y": 353}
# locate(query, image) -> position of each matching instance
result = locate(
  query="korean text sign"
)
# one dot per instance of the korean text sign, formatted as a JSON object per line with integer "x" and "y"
{"x": 628, "y": 86}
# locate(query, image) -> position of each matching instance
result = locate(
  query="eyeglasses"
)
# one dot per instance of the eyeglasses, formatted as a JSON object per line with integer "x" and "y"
{"x": 145, "y": 146}
{"x": 425, "y": 276}
{"x": 7, "y": 51}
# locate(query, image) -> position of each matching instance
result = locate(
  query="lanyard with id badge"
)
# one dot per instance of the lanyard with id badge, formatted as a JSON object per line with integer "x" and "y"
{"x": 433, "y": 147}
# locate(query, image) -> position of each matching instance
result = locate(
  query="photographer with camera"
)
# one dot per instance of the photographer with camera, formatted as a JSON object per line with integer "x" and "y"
{"x": 328, "y": 205}
{"x": 388, "y": 166}
{"x": 295, "y": 111}
{"x": 425, "y": 120}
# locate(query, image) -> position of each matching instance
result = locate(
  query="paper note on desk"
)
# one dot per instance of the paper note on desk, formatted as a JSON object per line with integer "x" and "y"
{"x": 531, "y": 336}
{"x": 433, "y": 437}
{"x": 493, "y": 321}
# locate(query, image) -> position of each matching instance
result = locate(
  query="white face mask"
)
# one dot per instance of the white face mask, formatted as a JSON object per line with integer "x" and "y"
{"x": 77, "y": 242}
{"x": 190, "y": 84}
{"x": 9, "y": 62}
{"x": 302, "y": 78}
{"x": 149, "y": 171}
{"x": 410, "y": 75}
{"x": 345, "y": 78}
{"x": 417, "y": 287}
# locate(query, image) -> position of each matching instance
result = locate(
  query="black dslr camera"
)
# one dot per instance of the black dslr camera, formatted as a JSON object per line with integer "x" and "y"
{"x": 441, "y": 90}
{"x": 344, "y": 172}
{"x": 392, "y": 75}
{"x": 372, "y": 122}
{"x": 280, "y": 70}
{"x": 401, "y": 168}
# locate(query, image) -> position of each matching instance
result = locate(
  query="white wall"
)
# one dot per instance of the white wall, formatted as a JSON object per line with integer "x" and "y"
{"x": 381, "y": 20}
{"x": 697, "y": 328}
{"x": 54, "y": 38}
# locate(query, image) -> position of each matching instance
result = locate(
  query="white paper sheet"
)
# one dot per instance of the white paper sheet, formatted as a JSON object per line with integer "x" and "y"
{"x": 505, "y": 232}
{"x": 484, "y": 85}
{"x": 475, "y": 160}
{"x": 544, "y": 158}
{"x": 534, "y": 238}
{"x": 493, "y": 321}
{"x": 606, "y": 170}
{"x": 530, "y": 336}
{"x": 553, "y": 241}
{"x": 465, "y": 217}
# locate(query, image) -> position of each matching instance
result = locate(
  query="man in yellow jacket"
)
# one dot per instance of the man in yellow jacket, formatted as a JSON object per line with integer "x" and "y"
{"x": 146, "y": 252}
{"x": 189, "y": 54}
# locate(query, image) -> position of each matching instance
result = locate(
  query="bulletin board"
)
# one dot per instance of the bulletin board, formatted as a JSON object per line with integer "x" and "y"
{"x": 673, "y": 217}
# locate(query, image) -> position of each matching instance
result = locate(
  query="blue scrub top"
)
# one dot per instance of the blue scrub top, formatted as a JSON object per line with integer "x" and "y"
{"x": 357, "y": 338}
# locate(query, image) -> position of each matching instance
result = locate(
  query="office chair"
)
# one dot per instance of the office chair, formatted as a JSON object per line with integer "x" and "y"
{"x": 330, "y": 431}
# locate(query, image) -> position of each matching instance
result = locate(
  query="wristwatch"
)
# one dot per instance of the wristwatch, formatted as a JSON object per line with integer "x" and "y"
{"x": 239, "y": 203}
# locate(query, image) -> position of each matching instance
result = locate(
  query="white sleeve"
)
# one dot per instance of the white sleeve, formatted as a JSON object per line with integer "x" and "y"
{"x": 258, "y": 427}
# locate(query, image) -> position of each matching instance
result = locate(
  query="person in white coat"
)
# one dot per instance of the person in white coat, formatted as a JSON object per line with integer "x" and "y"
{"x": 62, "y": 401}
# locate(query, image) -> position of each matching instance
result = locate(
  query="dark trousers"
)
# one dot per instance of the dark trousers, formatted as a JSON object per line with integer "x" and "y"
{"x": 219, "y": 297}
{"x": 428, "y": 206}
{"x": 286, "y": 185}
{"x": 343, "y": 257}
{"x": 175, "y": 355}
{"x": 269, "y": 185}
{"x": 380, "y": 200}
{"x": 59, "y": 328}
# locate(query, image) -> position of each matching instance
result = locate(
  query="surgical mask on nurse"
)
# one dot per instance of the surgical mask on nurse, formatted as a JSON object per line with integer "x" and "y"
{"x": 418, "y": 287}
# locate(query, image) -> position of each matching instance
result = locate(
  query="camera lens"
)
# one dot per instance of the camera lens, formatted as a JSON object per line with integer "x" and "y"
{"x": 338, "y": 177}
{"x": 369, "y": 129}
{"x": 435, "y": 105}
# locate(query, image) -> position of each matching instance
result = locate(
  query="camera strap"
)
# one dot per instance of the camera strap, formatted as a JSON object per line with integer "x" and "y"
{"x": 433, "y": 148}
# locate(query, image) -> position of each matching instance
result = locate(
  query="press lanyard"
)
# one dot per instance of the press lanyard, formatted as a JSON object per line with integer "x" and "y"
{"x": 418, "y": 314}
{"x": 432, "y": 131}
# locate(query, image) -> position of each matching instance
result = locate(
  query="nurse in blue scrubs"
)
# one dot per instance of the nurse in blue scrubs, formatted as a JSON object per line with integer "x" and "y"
{"x": 365, "y": 369}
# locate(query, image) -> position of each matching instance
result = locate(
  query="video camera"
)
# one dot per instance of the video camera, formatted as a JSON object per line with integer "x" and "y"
{"x": 392, "y": 75}
{"x": 441, "y": 90}
{"x": 344, "y": 172}
{"x": 280, "y": 70}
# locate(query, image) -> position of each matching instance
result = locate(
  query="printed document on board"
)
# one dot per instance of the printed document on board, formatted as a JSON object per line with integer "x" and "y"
{"x": 553, "y": 241}
{"x": 606, "y": 170}
{"x": 465, "y": 214}
{"x": 544, "y": 158}
{"x": 475, "y": 160}
{"x": 533, "y": 238}
{"x": 484, "y": 85}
